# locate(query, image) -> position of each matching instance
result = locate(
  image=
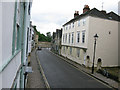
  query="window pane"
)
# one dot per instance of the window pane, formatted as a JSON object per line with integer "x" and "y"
{"x": 83, "y": 37}
{"x": 66, "y": 38}
{"x": 72, "y": 37}
{"x": 69, "y": 37}
{"x": 78, "y": 37}
{"x": 78, "y": 52}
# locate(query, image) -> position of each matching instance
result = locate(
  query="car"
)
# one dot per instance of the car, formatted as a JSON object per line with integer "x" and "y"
{"x": 39, "y": 48}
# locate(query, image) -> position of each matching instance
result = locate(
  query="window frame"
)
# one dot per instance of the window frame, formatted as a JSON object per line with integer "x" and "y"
{"x": 78, "y": 52}
{"x": 72, "y": 37}
{"x": 84, "y": 22}
{"x": 66, "y": 38}
{"x": 78, "y": 38}
{"x": 70, "y": 50}
{"x": 73, "y": 24}
{"x": 83, "y": 36}
{"x": 69, "y": 37}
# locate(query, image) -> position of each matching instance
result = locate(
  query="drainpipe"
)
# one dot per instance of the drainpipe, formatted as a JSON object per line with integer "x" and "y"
{"x": 23, "y": 46}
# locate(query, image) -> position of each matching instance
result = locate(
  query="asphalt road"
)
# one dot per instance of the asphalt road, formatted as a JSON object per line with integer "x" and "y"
{"x": 62, "y": 75}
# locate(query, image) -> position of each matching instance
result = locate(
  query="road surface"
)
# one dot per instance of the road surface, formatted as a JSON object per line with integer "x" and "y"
{"x": 62, "y": 75}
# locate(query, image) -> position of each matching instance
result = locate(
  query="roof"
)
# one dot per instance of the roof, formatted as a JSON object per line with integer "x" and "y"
{"x": 96, "y": 13}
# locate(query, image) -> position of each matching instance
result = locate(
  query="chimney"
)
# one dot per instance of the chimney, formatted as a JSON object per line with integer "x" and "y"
{"x": 86, "y": 8}
{"x": 76, "y": 14}
{"x": 103, "y": 11}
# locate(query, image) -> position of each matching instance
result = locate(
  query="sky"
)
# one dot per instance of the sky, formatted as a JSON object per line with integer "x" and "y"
{"x": 49, "y": 15}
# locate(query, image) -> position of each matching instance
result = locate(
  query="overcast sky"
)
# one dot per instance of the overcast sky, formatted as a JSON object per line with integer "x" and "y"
{"x": 49, "y": 15}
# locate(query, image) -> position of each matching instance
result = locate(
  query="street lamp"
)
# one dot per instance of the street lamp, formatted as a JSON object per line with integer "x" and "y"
{"x": 95, "y": 37}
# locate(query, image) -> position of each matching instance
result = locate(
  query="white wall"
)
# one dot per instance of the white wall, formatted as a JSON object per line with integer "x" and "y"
{"x": 0, "y": 33}
{"x": 9, "y": 72}
{"x": 7, "y": 29}
{"x": 107, "y": 44}
{"x": 0, "y": 43}
{"x": 75, "y": 29}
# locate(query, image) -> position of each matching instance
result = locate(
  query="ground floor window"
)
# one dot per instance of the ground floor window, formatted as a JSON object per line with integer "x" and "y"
{"x": 78, "y": 52}
{"x": 70, "y": 50}
{"x": 64, "y": 48}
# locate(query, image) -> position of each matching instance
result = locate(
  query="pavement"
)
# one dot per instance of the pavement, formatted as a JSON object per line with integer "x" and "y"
{"x": 35, "y": 79}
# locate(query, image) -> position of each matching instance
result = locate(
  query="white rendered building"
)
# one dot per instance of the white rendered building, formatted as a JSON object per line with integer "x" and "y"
{"x": 78, "y": 37}
{"x": 14, "y": 24}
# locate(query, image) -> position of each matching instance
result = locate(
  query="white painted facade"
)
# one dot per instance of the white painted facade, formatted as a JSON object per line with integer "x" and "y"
{"x": 107, "y": 43}
{"x": 31, "y": 39}
{"x": 11, "y": 43}
{"x": 9, "y": 72}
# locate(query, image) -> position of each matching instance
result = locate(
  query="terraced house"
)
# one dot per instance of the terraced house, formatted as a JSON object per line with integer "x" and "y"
{"x": 78, "y": 37}
{"x": 15, "y": 24}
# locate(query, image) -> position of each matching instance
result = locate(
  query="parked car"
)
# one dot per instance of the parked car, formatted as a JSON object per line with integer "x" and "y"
{"x": 39, "y": 48}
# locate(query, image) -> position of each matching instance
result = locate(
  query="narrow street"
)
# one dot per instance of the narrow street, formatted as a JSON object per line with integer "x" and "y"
{"x": 62, "y": 75}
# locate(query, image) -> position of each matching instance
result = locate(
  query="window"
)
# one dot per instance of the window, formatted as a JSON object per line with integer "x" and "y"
{"x": 84, "y": 22}
{"x": 70, "y": 50}
{"x": 72, "y": 36}
{"x": 69, "y": 37}
{"x": 110, "y": 17}
{"x": 63, "y": 38}
{"x": 66, "y": 38}
{"x": 17, "y": 38}
{"x": 73, "y": 25}
{"x": 83, "y": 37}
{"x": 29, "y": 9}
{"x": 78, "y": 23}
{"x": 78, "y": 37}
{"x": 66, "y": 27}
{"x": 64, "y": 48}
{"x": 70, "y": 26}
{"x": 78, "y": 52}
{"x": 30, "y": 35}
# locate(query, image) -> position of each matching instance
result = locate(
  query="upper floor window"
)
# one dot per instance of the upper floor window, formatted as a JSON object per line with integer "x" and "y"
{"x": 69, "y": 37}
{"x": 78, "y": 37}
{"x": 83, "y": 36}
{"x": 73, "y": 25}
{"x": 78, "y": 23}
{"x": 70, "y": 26}
{"x": 66, "y": 27}
{"x": 84, "y": 22}
{"x": 29, "y": 9}
{"x": 66, "y": 38}
{"x": 72, "y": 36}
{"x": 63, "y": 38}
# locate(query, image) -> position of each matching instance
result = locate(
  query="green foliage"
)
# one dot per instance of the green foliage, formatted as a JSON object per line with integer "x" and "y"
{"x": 42, "y": 37}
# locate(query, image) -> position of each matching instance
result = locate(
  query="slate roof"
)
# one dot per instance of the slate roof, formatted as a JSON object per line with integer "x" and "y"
{"x": 96, "y": 13}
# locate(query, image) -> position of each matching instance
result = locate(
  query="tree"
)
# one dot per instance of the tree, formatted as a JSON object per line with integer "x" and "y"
{"x": 42, "y": 37}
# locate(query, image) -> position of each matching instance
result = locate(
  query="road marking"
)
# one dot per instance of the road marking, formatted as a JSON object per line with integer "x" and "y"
{"x": 83, "y": 71}
{"x": 43, "y": 74}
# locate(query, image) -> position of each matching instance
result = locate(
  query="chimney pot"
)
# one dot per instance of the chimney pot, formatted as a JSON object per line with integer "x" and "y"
{"x": 86, "y": 8}
{"x": 76, "y": 14}
{"x": 103, "y": 11}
